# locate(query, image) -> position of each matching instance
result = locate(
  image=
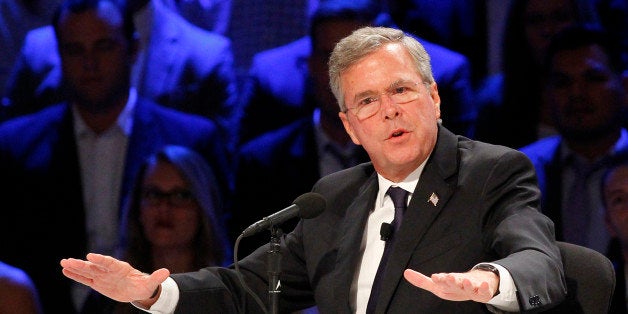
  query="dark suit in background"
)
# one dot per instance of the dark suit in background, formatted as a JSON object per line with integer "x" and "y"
{"x": 288, "y": 156}
{"x": 42, "y": 217}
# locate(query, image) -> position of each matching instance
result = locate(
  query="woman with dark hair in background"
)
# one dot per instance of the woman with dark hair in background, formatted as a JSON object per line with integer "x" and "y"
{"x": 171, "y": 219}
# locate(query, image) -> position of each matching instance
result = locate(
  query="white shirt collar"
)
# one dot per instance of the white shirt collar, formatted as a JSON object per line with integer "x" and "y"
{"x": 408, "y": 184}
{"x": 124, "y": 121}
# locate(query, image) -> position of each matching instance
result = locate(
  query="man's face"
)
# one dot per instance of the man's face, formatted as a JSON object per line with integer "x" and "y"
{"x": 399, "y": 136}
{"x": 543, "y": 19}
{"x": 585, "y": 95}
{"x": 616, "y": 199}
{"x": 96, "y": 58}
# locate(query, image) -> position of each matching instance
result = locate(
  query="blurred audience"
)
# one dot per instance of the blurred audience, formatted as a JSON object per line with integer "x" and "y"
{"x": 65, "y": 168}
{"x": 18, "y": 294}
{"x": 171, "y": 219}
{"x": 587, "y": 93}
{"x": 312, "y": 146}
{"x": 279, "y": 81}
{"x": 615, "y": 201}
{"x": 455, "y": 24}
{"x": 177, "y": 65}
{"x": 211, "y": 15}
{"x": 614, "y": 16}
{"x": 259, "y": 25}
{"x": 17, "y": 17}
{"x": 512, "y": 110}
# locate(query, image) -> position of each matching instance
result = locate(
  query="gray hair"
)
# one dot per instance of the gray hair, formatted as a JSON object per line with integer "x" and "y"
{"x": 365, "y": 41}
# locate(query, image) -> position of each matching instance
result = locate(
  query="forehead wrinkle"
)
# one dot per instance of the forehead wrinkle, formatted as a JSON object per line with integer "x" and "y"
{"x": 390, "y": 87}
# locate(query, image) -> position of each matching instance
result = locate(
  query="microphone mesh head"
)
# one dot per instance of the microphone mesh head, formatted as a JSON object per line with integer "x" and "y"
{"x": 310, "y": 205}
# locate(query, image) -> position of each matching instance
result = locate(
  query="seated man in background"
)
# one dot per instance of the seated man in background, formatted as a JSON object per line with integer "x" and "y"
{"x": 66, "y": 168}
{"x": 615, "y": 200}
{"x": 177, "y": 65}
{"x": 588, "y": 103}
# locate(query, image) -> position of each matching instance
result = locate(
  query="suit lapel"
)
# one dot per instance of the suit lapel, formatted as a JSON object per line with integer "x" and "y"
{"x": 429, "y": 197}
{"x": 161, "y": 55}
{"x": 354, "y": 224}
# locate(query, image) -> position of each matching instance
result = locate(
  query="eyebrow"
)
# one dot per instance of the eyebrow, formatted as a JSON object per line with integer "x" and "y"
{"x": 393, "y": 85}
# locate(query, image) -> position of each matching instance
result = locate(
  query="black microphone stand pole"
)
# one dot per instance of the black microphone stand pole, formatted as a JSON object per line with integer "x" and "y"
{"x": 274, "y": 269}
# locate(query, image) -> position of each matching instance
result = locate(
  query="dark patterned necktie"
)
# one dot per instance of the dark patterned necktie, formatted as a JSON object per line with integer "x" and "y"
{"x": 399, "y": 197}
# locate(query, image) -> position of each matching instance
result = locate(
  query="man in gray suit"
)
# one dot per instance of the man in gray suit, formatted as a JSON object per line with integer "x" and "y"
{"x": 471, "y": 223}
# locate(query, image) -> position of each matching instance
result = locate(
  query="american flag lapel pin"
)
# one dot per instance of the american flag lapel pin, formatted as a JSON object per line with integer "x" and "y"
{"x": 433, "y": 199}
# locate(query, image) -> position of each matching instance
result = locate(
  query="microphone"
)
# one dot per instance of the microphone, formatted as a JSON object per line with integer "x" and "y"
{"x": 308, "y": 205}
{"x": 385, "y": 231}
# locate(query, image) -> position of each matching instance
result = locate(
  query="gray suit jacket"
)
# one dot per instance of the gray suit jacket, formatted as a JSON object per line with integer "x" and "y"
{"x": 487, "y": 211}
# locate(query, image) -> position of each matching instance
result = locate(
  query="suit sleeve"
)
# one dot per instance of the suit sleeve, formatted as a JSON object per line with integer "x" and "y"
{"x": 515, "y": 229}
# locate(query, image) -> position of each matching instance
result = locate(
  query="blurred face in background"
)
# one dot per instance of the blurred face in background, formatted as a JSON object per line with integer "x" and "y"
{"x": 543, "y": 19}
{"x": 615, "y": 195}
{"x": 169, "y": 212}
{"x": 327, "y": 34}
{"x": 96, "y": 58}
{"x": 586, "y": 95}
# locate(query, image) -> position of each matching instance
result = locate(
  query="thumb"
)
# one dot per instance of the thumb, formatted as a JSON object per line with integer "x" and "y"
{"x": 159, "y": 276}
{"x": 418, "y": 279}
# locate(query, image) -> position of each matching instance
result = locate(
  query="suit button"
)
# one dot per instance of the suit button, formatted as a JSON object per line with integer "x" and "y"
{"x": 535, "y": 300}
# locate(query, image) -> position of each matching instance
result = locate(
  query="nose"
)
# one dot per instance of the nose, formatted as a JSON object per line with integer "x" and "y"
{"x": 388, "y": 106}
{"x": 163, "y": 206}
{"x": 90, "y": 61}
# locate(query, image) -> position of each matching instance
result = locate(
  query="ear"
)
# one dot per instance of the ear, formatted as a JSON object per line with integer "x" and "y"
{"x": 433, "y": 89}
{"x": 348, "y": 127}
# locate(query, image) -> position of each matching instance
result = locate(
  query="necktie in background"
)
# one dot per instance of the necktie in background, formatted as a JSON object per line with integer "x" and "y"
{"x": 577, "y": 212}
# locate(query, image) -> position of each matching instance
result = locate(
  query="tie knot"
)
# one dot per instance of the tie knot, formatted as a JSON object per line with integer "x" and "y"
{"x": 398, "y": 196}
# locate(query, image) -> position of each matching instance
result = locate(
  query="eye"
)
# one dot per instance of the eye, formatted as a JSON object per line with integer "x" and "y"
{"x": 367, "y": 101}
{"x": 400, "y": 89}
{"x": 182, "y": 195}
{"x": 150, "y": 194}
{"x": 560, "y": 81}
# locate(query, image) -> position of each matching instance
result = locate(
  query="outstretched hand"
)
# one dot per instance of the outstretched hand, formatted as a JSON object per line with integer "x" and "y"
{"x": 474, "y": 285}
{"x": 113, "y": 278}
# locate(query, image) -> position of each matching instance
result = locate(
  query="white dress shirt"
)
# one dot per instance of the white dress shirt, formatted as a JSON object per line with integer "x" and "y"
{"x": 101, "y": 159}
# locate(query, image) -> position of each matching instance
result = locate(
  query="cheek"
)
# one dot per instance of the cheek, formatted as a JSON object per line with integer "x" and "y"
{"x": 187, "y": 219}
{"x": 619, "y": 220}
{"x": 146, "y": 216}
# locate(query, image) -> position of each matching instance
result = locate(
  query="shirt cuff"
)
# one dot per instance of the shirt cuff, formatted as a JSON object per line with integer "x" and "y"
{"x": 168, "y": 299}
{"x": 506, "y": 300}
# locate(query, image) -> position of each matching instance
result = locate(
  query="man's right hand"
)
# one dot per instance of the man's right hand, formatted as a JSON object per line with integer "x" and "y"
{"x": 114, "y": 278}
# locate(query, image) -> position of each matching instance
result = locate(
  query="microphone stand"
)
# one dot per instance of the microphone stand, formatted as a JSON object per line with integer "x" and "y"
{"x": 274, "y": 269}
